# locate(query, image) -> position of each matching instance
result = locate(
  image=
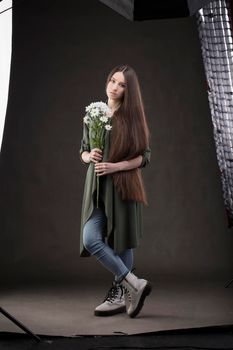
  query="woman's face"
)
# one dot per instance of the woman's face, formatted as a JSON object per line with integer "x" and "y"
{"x": 116, "y": 86}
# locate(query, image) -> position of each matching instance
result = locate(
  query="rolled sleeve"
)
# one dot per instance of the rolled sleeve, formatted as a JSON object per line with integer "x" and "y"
{"x": 145, "y": 157}
{"x": 85, "y": 144}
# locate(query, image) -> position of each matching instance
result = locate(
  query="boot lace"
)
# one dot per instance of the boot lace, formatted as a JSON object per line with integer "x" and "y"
{"x": 113, "y": 292}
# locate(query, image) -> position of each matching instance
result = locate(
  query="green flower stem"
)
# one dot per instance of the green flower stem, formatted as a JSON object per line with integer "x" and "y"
{"x": 97, "y": 141}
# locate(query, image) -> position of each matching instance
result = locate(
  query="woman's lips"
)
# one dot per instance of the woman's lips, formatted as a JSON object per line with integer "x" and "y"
{"x": 113, "y": 93}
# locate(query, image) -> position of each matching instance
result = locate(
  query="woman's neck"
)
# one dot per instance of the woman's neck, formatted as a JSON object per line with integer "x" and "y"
{"x": 113, "y": 104}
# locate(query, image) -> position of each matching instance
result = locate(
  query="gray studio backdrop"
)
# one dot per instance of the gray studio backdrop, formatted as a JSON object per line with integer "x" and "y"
{"x": 62, "y": 53}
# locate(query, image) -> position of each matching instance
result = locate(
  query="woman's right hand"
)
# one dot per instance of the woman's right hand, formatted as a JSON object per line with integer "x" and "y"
{"x": 95, "y": 155}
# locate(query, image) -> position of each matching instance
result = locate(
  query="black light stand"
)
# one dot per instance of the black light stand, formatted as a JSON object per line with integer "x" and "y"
{"x": 19, "y": 324}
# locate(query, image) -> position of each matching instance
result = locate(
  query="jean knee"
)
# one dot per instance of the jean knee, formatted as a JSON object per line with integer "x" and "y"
{"x": 92, "y": 240}
{"x": 87, "y": 239}
{"x": 93, "y": 231}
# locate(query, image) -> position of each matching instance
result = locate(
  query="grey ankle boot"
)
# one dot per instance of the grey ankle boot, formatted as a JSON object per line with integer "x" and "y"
{"x": 114, "y": 302}
{"x": 137, "y": 290}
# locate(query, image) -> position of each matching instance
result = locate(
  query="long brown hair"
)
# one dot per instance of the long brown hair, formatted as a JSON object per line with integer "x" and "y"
{"x": 129, "y": 136}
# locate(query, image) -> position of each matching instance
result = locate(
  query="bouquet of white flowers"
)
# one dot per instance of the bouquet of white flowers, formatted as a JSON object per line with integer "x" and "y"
{"x": 97, "y": 118}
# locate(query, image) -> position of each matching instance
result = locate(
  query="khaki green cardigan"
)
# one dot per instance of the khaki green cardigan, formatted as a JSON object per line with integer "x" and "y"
{"x": 124, "y": 217}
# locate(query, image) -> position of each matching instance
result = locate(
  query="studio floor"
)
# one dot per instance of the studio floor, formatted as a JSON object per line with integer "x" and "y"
{"x": 67, "y": 310}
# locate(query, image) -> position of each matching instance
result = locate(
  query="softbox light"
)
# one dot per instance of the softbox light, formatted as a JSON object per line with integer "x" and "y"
{"x": 138, "y": 10}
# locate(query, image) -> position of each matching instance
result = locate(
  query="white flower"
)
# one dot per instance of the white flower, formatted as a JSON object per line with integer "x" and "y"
{"x": 104, "y": 119}
{"x": 98, "y": 108}
{"x": 108, "y": 127}
{"x": 98, "y": 115}
{"x": 86, "y": 119}
{"x": 94, "y": 112}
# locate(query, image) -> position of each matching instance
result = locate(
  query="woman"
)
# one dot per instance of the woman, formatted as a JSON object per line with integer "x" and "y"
{"x": 110, "y": 231}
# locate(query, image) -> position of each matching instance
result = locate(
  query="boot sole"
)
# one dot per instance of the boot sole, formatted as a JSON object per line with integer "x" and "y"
{"x": 145, "y": 293}
{"x": 110, "y": 312}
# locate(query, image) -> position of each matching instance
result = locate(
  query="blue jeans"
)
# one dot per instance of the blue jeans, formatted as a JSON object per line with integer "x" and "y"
{"x": 93, "y": 241}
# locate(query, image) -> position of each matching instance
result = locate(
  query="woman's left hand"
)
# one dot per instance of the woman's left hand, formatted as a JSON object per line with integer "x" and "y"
{"x": 104, "y": 168}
